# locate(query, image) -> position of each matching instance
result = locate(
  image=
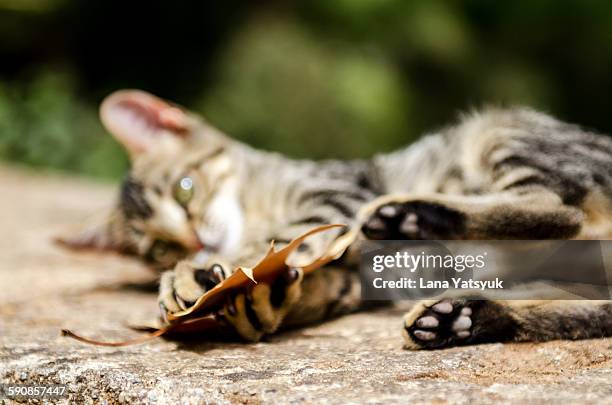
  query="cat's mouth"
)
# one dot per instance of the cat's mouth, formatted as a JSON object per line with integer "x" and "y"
{"x": 212, "y": 242}
{"x": 202, "y": 255}
{"x": 191, "y": 242}
{"x": 210, "y": 247}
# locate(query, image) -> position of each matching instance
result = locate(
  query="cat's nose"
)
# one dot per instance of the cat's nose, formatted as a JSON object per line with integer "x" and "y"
{"x": 191, "y": 241}
{"x": 197, "y": 243}
{"x": 210, "y": 241}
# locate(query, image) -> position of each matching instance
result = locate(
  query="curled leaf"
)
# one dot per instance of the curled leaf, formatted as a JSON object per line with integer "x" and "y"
{"x": 273, "y": 263}
{"x": 200, "y": 317}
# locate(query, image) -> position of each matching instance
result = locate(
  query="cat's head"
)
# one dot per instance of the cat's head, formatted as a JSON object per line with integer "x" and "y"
{"x": 181, "y": 193}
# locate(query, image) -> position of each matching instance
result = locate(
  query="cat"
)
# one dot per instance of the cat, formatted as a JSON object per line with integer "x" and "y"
{"x": 201, "y": 203}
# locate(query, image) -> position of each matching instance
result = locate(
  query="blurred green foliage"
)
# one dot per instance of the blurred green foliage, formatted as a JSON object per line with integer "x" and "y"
{"x": 280, "y": 88}
{"x": 43, "y": 123}
{"x": 318, "y": 78}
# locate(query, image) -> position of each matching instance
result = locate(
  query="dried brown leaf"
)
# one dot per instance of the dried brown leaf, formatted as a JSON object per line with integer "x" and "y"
{"x": 200, "y": 317}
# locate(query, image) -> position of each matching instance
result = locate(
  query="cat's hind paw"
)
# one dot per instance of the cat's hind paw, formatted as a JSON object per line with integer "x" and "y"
{"x": 413, "y": 219}
{"x": 438, "y": 324}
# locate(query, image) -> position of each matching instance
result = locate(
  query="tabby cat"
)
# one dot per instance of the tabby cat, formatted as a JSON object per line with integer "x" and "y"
{"x": 199, "y": 202}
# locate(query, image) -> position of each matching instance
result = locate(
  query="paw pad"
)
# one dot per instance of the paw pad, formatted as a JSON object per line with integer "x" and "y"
{"x": 414, "y": 220}
{"x": 443, "y": 324}
{"x": 209, "y": 278}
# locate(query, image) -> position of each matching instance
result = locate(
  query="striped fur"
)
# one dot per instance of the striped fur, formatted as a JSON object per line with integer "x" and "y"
{"x": 500, "y": 174}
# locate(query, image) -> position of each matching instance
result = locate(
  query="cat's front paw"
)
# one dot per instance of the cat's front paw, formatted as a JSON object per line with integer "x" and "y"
{"x": 180, "y": 288}
{"x": 438, "y": 324}
{"x": 421, "y": 220}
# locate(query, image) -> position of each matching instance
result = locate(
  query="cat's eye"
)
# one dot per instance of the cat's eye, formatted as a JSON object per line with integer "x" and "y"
{"x": 164, "y": 252}
{"x": 159, "y": 250}
{"x": 183, "y": 191}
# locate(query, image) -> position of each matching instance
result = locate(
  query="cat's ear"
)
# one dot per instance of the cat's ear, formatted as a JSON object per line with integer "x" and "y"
{"x": 96, "y": 234}
{"x": 139, "y": 120}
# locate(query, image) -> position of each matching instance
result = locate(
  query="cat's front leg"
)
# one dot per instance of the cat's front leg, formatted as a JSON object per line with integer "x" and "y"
{"x": 181, "y": 287}
{"x": 253, "y": 313}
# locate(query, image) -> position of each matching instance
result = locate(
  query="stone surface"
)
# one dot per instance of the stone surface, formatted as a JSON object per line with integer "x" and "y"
{"x": 355, "y": 359}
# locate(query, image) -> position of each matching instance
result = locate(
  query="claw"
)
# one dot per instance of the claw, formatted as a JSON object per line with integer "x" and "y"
{"x": 218, "y": 271}
{"x": 181, "y": 303}
{"x": 163, "y": 313}
{"x": 209, "y": 278}
{"x": 231, "y": 308}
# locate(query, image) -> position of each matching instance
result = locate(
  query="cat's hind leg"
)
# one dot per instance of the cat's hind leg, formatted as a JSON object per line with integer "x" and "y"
{"x": 435, "y": 324}
{"x": 507, "y": 215}
{"x": 510, "y": 215}
{"x": 453, "y": 322}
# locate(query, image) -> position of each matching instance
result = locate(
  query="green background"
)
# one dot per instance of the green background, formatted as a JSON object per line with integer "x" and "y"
{"x": 318, "y": 78}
